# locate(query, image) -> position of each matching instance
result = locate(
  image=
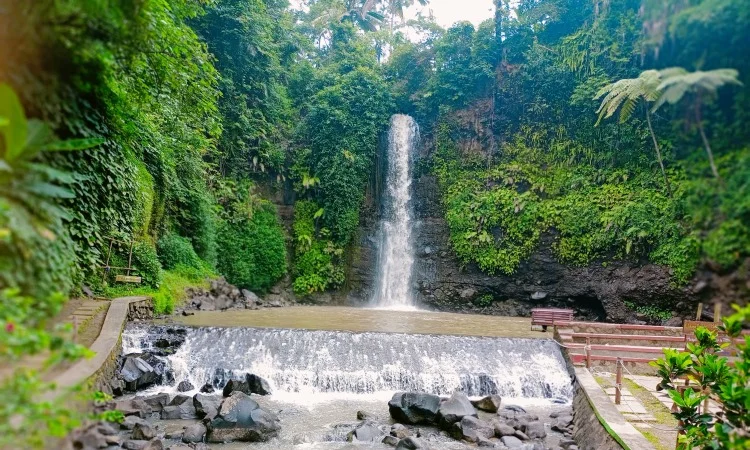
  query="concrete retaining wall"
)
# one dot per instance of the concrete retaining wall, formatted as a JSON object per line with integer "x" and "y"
{"x": 598, "y": 425}
{"x": 96, "y": 372}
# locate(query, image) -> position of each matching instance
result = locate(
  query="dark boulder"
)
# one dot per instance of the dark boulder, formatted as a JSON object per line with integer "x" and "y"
{"x": 235, "y": 385}
{"x": 400, "y": 431}
{"x": 157, "y": 402}
{"x": 390, "y": 440}
{"x": 130, "y": 422}
{"x": 185, "y": 386}
{"x": 412, "y": 443}
{"x": 140, "y": 370}
{"x": 258, "y": 385}
{"x": 414, "y": 407}
{"x": 181, "y": 407}
{"x": 491, "y": 403}
{"x": 240, "y": 418}
{"x": 143, "y": 432}
{"x": 454, "y": 409}
{"x": 133, "y": 407}
{"x": 535, "y": 430}
{"x": 503, "y": 429}
{"x": 365, "y": 432}
{"x": 206, "y": 406}
{"x": 207, "y": 388}
{"x": 472, "y": 429}
{"x": 194, "y": 433}
{"x": 154, "y": 444}
{"x": 511, "y": 442}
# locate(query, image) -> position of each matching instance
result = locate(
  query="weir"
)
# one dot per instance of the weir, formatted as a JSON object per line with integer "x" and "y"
{"x": 313, "y": 362}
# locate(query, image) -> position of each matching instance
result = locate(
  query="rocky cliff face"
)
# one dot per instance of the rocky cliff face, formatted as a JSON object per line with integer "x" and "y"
{"x": 596, "y": 292}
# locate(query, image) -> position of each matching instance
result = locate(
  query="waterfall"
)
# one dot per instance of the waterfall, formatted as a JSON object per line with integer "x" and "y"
{"x": 306, "y": 362}
{"x": 395, "y": 259}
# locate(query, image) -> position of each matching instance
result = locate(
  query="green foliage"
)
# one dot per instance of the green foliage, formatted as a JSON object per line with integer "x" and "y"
{"x": 317, "y": 262}
{"x": 253, "y": 250}
{"x": 712, "y": 377}
{"x": 147, "y": 264}
{"x": 654, "y": 313}
{"x": 175, "y": 250}
{"x": 484, "y": 300}
{"x": 25, "y": 422}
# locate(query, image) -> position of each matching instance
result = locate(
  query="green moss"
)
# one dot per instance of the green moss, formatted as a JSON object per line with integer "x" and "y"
{"x": 144, "y": 184}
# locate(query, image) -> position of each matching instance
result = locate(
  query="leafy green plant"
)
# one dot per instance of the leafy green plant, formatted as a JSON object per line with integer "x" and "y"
{"x": 175, "y": 250}
{"x": 146, "y": 262}
{"x": 713, "y": 379}
{"x": 650, "y": 311}
{"x": 253, "y": 250}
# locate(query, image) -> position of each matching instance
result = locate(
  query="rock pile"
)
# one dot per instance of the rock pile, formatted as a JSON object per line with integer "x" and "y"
{"x": 509, "y": 427}
{"x": 222, "y": 296}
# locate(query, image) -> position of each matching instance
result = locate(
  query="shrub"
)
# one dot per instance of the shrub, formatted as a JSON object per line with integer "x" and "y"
{"x": 175, "y": 250}
{"x": 253, "y": 250}
{"x": 712, "y": 378}
{"x": 317, "y": 259}
{"x": 146, "y": 262}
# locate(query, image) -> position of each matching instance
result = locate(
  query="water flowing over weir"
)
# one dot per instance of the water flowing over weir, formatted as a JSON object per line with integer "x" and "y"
{"x": 313, "y": 362}
{"x": 396, "y": 257}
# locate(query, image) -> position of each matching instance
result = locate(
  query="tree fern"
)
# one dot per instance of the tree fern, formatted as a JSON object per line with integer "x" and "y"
{"x": 677, "y": 82}
{"x": 624, "y": 95}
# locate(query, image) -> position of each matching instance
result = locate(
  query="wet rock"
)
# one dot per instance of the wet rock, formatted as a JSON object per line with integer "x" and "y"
{"x": 535, "y": 430}
{"x": 157, "y": 402}
{"x": 472, "y": 429}
{"x": 364, "y": 415}
{"x": 562, "y": 424}
{"x": 133, "y": 407}
{"x": 185, "y": 386}
{"x": 491, "y": 403}
{"x": 181, "y": 407}
{"x": 485, "y": 443}
{"x": 143, "y": 432}
{"x": 194, "y": 433}
{"x": 86, "y": 438}
{"x": 400, "y": 431}
{"x": 454, "y": 409}
{"x": 207, "y": 388}
{"x": 130, "y": 422}
{"x": 206, "y": 406}
{"x": 390, "y": 440}
{"x": 258, "y": 385}
{"x": 140, "y": 370}
{"x": 414, "y": 407}
{"x": 179, "y": 447}
{"x": 117, "y": 387}
{"x": 561, "y": 412}
{"x": 154, "y": 444}
{"x": 412, "y": 443}
{"x": 538, "y": 295}
{"x": 241, "y": 419}
{"x": 503, "y": 429}
{"x": 511, "y": 441}
{"x": 566, "y": 443}
{"x": 515, "y": 409}
{"x": 521, "y": 435}
{"x": 365, "y": 432}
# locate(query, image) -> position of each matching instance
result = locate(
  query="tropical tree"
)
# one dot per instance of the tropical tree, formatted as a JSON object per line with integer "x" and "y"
{"x": 625, "y": 95}
{"x": 677, "y": 83}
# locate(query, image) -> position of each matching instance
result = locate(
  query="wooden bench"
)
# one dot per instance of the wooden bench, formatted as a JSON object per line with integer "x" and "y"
{"x": 545, "y": 317}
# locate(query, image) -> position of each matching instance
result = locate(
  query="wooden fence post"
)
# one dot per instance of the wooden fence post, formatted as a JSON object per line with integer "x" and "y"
{"x": 618, "y": 381}
{"x": 588, "y": 353}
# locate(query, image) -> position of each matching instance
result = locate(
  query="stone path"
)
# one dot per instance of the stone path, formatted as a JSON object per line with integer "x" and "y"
{"x": 630, "y": 407}
{"x": 650, "y": 383}
{"x": 86, "y": 310}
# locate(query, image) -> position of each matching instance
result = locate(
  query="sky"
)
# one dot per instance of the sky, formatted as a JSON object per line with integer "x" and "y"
{"x": 448, "y": 12}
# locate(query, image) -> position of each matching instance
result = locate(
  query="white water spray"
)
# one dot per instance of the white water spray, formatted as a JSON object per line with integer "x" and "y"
{"x": 396, "y": 257}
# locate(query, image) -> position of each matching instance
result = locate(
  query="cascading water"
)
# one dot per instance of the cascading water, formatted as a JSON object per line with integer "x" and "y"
{"x": 308, "y": 362}
{"x": 393, "y": 290}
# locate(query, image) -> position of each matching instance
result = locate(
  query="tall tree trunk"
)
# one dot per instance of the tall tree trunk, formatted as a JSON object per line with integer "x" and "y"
{"x": 707, "y": 146}
{"x": 658, "y": 152}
